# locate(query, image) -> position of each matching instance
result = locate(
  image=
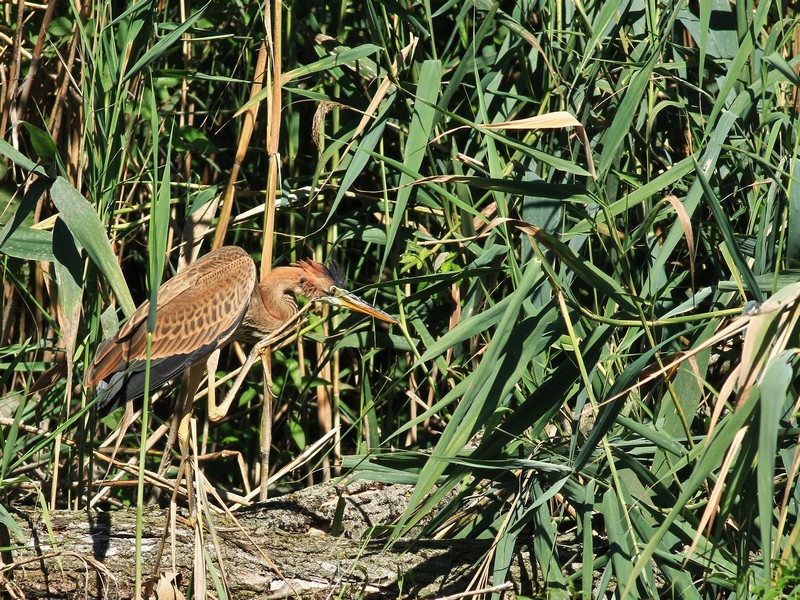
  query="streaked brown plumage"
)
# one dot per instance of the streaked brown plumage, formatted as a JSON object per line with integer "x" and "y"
{"x": 208, "y": 304}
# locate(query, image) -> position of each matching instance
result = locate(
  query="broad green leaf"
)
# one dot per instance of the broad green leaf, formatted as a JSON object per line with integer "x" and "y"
{"x": 20, "y": 159}
{"x": 724, "y": 228}
{"x": 29, "y": 244}
{"x": 420, "y": 133}
{"x": 10, "y": 434}
{"x": 340, "y": 57}
{"x": 793, "y": 224}
{"x": 493, "y": 380}
{"x": 637, "y": 197}
{"x": 131, "y": 11}
{"x": 694, "y": 196}
{"x": 17, "y": 237}
{"x": 776, "y": 392}
{"x": 7, "y": 520}
{"x": 743, "y": 56}
{"x": 670, "y": 564}
{"x": 623, "y": 116}
{"x": 359, "y": 160}
{"x": 619, "y": 535}
{"x": 687, "y": 390}
{"x": 164, "y": 44}
{"x": 609, "y": 13}
{"x": 83, "y": 222}
{"x": 472, "y": 325}
{"x": 785, "y": 68}
{"x": 68, "y": 269}
{"x": 611, "y": 408}
{"x": 545, "y": 548}
{"x": 710, "y": 456}
{"x": 42, "y": 143}
{"x": 769, "y": 283}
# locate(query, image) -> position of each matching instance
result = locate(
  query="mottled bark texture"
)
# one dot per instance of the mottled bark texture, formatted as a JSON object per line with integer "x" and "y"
{"x": 285, "y": 547}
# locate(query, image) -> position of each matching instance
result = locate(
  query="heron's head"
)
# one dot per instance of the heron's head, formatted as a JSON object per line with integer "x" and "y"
{"x": 326, "y": 283}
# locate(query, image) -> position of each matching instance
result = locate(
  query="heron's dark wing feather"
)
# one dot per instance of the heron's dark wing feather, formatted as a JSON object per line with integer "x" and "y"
{"x": 198, "y": 310}
{"x": 128, "y": 384}
{"x": 107, "y": 359}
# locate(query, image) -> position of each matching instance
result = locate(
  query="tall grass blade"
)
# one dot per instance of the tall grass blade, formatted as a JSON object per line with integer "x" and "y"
{"x": 420, "y": 132}
{"x": 743, "y": 268}
{"x": 163, "y": 45}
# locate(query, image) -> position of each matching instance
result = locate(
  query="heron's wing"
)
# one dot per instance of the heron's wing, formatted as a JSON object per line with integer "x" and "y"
{"x": 198, "y": 311}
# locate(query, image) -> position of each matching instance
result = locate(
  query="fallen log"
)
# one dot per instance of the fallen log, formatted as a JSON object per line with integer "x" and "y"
{"x": 292, "y": 546}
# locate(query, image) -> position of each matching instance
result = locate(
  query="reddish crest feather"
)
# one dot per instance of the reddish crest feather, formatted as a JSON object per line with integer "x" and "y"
{"x": 331, "y": 271}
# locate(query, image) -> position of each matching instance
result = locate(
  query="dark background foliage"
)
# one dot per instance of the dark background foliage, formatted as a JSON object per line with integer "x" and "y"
{"x": 572, "y": 360}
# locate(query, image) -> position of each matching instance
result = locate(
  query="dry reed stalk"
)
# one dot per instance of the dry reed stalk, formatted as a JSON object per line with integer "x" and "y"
{"x": 274, "y": 42}
{"x": 241, "y": 149}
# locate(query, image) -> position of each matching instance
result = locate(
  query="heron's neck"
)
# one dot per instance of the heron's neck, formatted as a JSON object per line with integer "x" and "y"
{"x": 271, "y": 305}
{"x": 277, "y": 292}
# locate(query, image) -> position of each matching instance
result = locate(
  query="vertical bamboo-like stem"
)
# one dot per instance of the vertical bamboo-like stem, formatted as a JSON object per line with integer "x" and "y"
{"x": 27, "y": 84}
{"x": 142, "y": 467}
{"x": 275, "y": 36}
{"x": 327, "y": 393}
{"x": 187, "y": 105}
{"x": 324, "y": 404}
{"x": 273, "y": 137}
{"x": 336, "y": 419}
{"x": 63, "y": 74}
{"x": 241, "y": 148}
{"x": 12, "y": 112}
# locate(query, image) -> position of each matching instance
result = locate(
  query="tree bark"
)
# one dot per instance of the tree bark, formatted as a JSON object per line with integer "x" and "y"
{"x": 281, "y": 548}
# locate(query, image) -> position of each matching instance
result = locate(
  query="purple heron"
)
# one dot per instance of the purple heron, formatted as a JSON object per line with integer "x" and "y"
{"x": 212, "y": 302}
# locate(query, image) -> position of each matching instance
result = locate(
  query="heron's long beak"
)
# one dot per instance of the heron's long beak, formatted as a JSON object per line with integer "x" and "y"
{"x": 340, "y": 297}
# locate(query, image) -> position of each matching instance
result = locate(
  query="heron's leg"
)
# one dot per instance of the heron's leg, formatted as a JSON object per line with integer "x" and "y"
{"x": 211, "y": 369}
{"x": 119, "y": 434}
{"x": 178, "y": 428}
{"x": 267, "y": 364}
{"x": 217, "y": 412}
{"x": 188, "y": 389}
{"x": 186, "y": 465}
